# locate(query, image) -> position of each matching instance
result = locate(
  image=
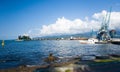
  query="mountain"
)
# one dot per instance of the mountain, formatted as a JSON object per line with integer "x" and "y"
{"x": 85, "y": 35}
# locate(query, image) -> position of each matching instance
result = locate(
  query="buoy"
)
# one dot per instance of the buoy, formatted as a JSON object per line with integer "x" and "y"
{"x": 3, "y": 43}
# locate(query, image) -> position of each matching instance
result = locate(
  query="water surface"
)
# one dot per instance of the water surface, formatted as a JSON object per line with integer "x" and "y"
{"x": 33, "y": 52}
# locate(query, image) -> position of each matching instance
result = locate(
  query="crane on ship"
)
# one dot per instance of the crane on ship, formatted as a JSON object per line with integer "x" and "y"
{"x": 103, "y": 33}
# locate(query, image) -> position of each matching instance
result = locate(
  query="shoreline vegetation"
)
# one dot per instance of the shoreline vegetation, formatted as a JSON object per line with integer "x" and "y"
{"x": 100, "y": 64}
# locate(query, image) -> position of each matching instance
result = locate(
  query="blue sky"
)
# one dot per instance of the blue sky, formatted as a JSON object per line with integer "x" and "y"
{"x": 19, "y": 16}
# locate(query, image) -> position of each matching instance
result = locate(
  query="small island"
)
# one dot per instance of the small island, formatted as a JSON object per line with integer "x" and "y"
{"x": 23, "y": 38}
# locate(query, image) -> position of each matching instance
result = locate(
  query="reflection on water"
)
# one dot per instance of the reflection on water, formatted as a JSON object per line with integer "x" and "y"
{"x": 33, "y": 52}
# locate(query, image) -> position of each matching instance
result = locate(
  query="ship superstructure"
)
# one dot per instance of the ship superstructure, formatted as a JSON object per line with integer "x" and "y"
{"x": 103, "y": 33}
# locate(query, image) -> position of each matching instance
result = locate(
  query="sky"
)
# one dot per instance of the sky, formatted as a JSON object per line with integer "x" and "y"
{"x": 49, "y": 17}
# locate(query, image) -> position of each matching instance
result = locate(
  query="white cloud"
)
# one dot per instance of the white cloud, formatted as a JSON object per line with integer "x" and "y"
{"x": 114, "y": 18}
{"x": 100, "y": 16}
{"x": 66, "y": 26}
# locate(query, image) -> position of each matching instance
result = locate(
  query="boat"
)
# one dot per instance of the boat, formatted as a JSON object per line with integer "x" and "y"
{"x": 102, "y": 42}
{"x": 89, "y": 41}
{"x": 115, "y": 41}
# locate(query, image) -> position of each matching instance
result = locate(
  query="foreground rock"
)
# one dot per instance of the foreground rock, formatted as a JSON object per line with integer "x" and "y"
{"x": 73, "y": 65}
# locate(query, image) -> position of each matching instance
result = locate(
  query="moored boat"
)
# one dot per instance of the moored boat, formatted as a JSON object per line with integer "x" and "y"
{"x": 89, "y": 41}
{"x": 115, "y": 41}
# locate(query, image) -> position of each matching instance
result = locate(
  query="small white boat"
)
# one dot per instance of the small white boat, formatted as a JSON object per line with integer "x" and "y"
{"x": 89, "y": 41}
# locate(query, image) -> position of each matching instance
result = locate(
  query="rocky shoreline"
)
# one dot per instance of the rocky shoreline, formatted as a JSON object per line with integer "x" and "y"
{"x": 74, "y": 65}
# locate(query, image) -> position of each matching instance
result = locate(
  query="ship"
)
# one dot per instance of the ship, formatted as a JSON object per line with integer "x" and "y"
{"x": 104, "y": 36}
{"x": 115, "y": 41}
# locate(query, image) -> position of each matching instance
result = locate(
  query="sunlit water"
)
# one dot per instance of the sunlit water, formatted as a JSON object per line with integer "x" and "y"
{"x": 33, "y": 52}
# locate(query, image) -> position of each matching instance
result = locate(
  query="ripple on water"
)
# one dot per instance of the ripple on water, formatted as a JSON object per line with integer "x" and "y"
{"x": 33, "y": 52}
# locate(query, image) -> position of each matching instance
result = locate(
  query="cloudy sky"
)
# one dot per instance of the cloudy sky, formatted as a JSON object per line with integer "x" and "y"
{"x": 49, "y": 17}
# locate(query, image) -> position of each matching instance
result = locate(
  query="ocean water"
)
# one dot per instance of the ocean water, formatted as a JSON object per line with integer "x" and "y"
{"x": 33, "y": 52}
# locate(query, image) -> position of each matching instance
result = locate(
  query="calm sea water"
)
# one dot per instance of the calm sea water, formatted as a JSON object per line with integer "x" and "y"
{"x": 33, "y": 52}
